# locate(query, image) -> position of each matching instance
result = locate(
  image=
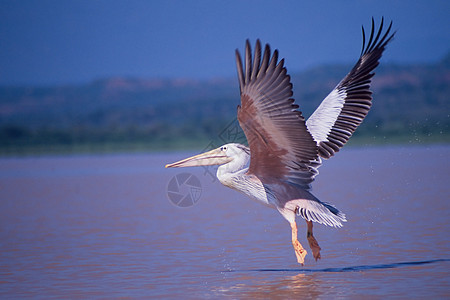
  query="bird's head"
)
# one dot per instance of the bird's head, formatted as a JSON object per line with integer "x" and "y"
{"x": 219, "y": 156}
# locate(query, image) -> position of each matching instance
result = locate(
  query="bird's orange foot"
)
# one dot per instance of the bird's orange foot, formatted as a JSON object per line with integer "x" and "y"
{"x": 314, "y": 245}
{"x": 300, "y": 252}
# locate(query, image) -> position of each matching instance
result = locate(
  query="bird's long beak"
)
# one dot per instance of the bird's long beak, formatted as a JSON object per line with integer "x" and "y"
{"x": 213, "y": 157}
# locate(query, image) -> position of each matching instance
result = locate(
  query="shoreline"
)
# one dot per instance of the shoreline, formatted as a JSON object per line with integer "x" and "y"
{"x": 196, "y": 145}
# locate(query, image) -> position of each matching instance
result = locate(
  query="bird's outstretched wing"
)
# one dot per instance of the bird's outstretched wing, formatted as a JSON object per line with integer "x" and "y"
{"x": 341, "y": 112}
{"x": 281, "y": 147}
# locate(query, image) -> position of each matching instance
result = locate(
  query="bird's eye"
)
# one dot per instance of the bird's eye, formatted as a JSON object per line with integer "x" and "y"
{"x": 223, "y": 148}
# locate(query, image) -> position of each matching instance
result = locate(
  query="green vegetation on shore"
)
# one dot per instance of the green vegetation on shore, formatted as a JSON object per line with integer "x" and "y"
{"x": 411, "y": 106}
{"x": 64, "y": 143}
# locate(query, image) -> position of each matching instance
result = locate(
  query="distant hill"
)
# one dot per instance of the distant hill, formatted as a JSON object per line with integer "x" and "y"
{"x": 411, "y": 104}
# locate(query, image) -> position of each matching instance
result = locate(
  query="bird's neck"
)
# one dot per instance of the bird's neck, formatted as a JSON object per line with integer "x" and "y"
{"x": 226, "y": 172}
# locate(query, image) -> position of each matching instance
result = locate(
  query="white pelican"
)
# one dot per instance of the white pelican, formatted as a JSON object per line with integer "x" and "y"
{"x": 284, "y": 151}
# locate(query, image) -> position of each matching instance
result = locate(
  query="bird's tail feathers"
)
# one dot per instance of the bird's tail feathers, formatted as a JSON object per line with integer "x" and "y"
{"x": 316, "y": 211}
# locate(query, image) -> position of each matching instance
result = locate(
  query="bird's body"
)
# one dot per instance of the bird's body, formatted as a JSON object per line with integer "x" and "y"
{"x": 284, "y": 150}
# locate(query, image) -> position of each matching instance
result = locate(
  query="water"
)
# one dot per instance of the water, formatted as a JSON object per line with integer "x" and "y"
{"x": 103, "y": 226}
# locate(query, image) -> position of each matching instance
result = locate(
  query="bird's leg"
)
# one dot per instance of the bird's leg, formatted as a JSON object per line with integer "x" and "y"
{"x": 300, "y": 252}
{"x": 313, "y": 244}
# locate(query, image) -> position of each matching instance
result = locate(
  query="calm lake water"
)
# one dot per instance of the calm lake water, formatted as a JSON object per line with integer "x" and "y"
{"x": 104, "y": 227}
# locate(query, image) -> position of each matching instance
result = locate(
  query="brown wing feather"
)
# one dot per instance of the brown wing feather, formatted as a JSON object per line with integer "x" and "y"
{"x": 281, "y": 147}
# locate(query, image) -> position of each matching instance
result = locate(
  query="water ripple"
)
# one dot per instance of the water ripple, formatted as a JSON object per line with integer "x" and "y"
{"x": 350, "y": 269}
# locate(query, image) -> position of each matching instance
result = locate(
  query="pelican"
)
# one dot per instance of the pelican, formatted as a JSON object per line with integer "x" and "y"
{"x": 285, "y": 151}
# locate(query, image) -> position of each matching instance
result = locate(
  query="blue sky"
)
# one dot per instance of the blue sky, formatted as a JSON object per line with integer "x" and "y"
{"x": 62, "y": 42}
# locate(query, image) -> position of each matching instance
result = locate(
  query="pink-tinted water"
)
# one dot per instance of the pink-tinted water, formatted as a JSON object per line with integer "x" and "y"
{"x": 103, "y": 226}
